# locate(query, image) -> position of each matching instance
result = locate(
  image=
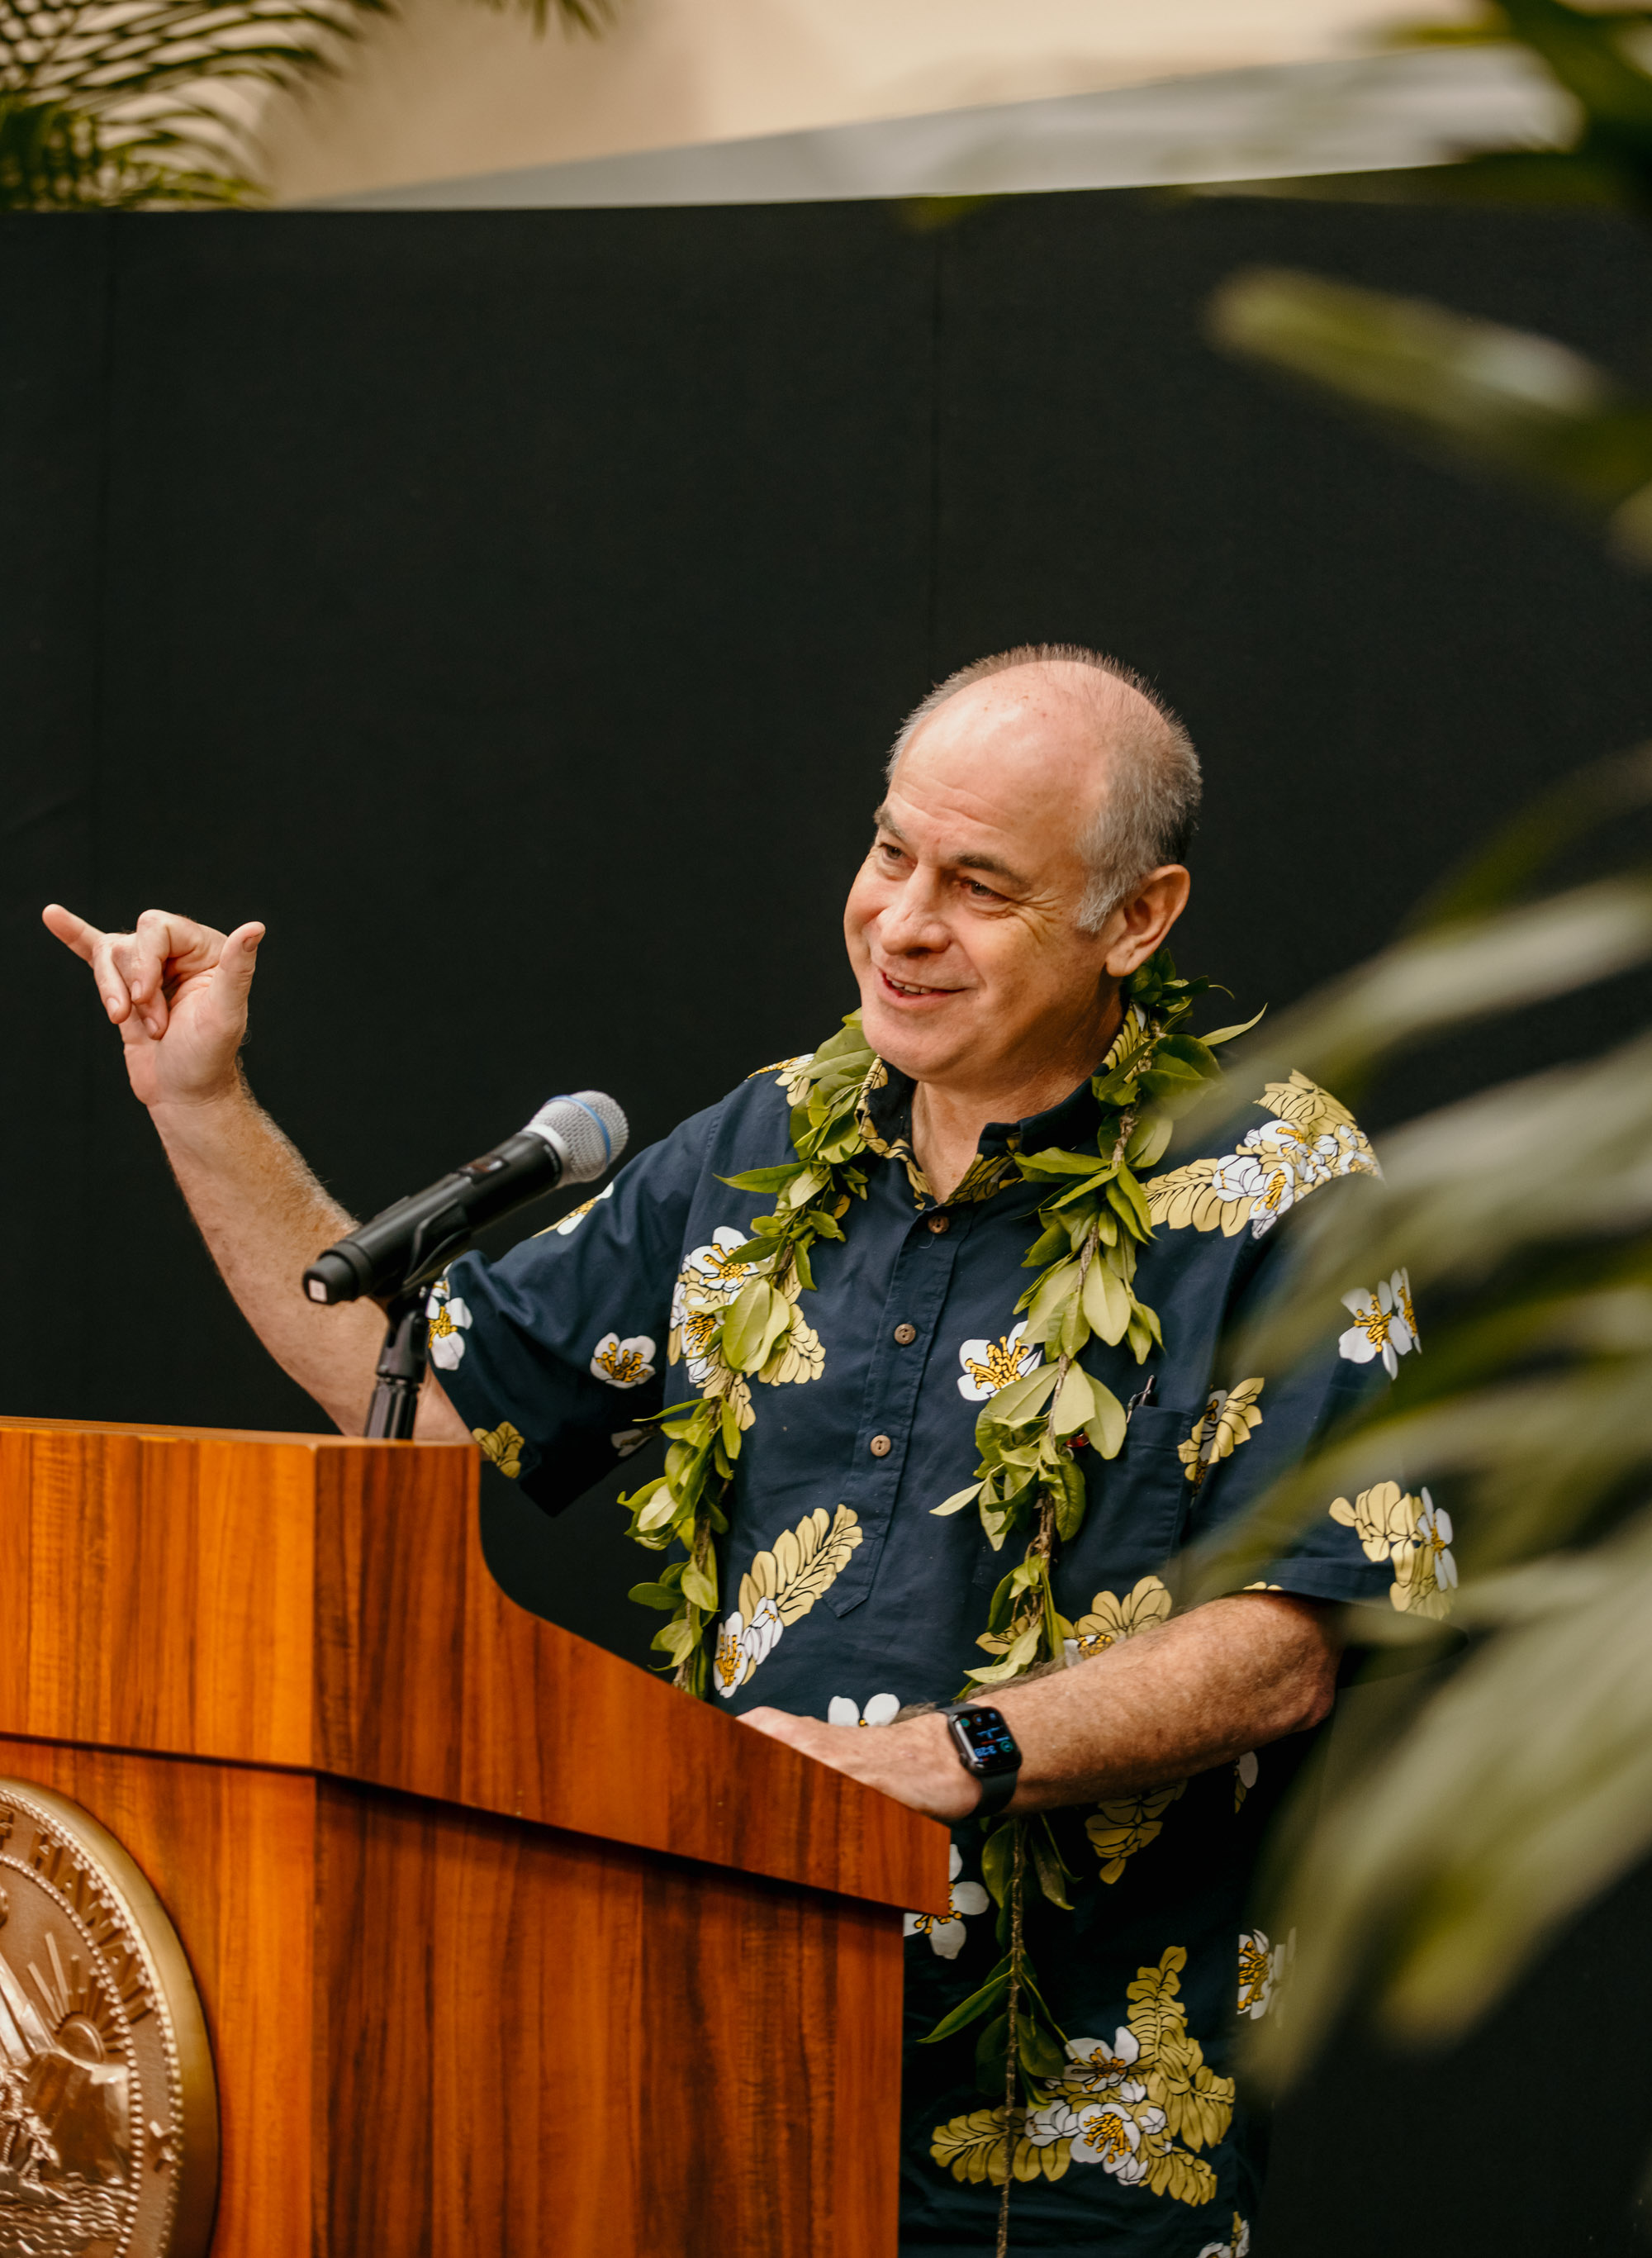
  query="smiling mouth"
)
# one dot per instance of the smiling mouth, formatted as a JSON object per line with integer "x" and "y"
{"x": 911, "y": 990}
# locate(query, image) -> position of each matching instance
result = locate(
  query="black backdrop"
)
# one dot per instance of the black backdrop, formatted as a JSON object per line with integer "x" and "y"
{"x": 512, "y": 610}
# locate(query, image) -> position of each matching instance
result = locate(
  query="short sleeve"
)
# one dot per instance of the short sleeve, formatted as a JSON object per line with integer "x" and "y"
{"x": 553, "y": 1354}
{"x": 1256, "y": 1426}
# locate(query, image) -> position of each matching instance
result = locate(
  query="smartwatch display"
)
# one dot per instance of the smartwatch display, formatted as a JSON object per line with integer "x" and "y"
{"x": 986, "y": 1748}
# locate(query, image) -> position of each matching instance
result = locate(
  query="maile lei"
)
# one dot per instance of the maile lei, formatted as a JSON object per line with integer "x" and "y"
{"x": 1092, "y": 1221}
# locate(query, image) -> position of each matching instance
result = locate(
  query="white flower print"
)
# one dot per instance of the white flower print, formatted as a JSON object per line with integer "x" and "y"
{"x": 626, "y": 1363}
{"x": 1312, "y": 1139}
{"x": 1055, "y": 2121}
{"x": 1142, "y": 2106}
{"x": 575, "y": 1216}
{"x": 628, "y": 1439}
{"x": 946, "y": 1937}
{"x": 708, "y": 1268}
{"x": 1110, "y": 2134}
{"x": 1274, "y": 1166}
{"x": 882, "y": 1709}
{"x": 781, "y": 1586}
{"x": 1096, "y": 2067}
{"x": 990, "y": 1365}
{"x": 1424, "y": 1571}
{"x": 1434, "y": 1535}
{"x": 1384, "y": 1325}
{"x": 1277, "y": 1164}
{"x": 1260, "y": 1968}
{"x": 741, "y": 1646}
{"x": 450, "y": 1322}
{"x": 706, "y": 1284}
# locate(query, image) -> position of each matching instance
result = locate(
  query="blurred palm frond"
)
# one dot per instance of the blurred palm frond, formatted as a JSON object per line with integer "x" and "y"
{"x": 129, "y": 102}
{"x": 145, "y": 103}
{"x": 1506, "y": 401}
{"x": 1503, "y": 399}
{"x": 1482, "y": 1801}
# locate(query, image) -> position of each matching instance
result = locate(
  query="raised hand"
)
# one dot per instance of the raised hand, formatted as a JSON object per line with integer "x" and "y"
{"x": 178, "y": 993}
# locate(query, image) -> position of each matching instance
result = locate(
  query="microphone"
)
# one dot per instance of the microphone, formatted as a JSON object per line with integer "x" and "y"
{"x": 569, "y": 1140}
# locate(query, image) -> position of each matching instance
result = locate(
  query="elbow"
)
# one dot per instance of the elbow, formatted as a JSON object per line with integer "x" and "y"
{"x": 1314, "y": 1690}
{"x": 1317, "y": 1695}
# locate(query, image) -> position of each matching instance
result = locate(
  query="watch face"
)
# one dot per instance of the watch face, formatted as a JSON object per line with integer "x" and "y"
{"x": 989, "y": 1744}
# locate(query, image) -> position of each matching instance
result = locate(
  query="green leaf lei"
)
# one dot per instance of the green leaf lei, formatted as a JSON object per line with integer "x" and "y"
{"x": 1093, "y": 1220}
{"x": 811, "y": 1195}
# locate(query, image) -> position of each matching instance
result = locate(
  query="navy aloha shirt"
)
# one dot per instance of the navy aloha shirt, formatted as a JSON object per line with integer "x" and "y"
{"x": 851, "y": 1599}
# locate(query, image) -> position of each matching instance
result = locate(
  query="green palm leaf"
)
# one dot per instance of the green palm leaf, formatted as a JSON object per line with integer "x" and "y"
{"x": 1477, "y": 1802}
{"x": 127, "y": 102}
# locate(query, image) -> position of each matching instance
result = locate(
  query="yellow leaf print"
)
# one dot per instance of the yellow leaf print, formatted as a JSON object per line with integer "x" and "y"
{"x": 503, "y": 1444}
{"x": 805, "y": 1562}
{"x": 1424, "y": 1571}
{"x": 788, "y": 1074}
{"x": 1127, "y": 1824}
{"x": 1138, "y": 2105}
{"x": 972, "y": 2149}
{"x": 706, "y": 1284}
{"x": 1198, "y": 2105}
{"x": 1312, "y": 1139}
{"x": 798, "y": 1355}
{"x": 780, "y": 1587}
{"x": 1229, "y": 1418}
{"x": 986, "y": 1174}
{"x": 1415, "y": 1534}
{"x": 1382, "y": 1518}
{"x": 1111, "y": 1619}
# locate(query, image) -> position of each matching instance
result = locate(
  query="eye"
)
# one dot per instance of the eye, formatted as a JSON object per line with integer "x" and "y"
{"x": 979, "y": 892}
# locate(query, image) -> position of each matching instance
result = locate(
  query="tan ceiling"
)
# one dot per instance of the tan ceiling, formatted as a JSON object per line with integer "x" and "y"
{"x": 450, "y": 89}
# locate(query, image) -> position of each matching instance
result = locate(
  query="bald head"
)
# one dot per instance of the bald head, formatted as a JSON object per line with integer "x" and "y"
{"x": 1091, "y": 736}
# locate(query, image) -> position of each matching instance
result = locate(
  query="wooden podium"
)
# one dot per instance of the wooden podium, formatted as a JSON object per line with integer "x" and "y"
{"x": 505, "y": 1947}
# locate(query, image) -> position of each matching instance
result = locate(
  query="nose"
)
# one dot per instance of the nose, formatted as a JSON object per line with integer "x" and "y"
{"x": 912, "y": 922}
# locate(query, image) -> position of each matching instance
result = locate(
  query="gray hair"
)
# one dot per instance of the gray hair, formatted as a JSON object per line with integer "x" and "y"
{"x": 1148, "y": 816}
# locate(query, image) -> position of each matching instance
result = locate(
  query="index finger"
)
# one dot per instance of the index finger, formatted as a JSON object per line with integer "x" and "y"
{"x": 72, "y": 931}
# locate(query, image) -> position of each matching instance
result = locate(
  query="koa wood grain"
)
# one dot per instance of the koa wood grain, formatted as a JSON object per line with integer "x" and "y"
{"x": 504, "y": 1946}
{"x": 325, "y": 1604}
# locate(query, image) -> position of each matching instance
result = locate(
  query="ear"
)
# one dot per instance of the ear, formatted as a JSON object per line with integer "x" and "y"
{"x": 1138, "y": 926}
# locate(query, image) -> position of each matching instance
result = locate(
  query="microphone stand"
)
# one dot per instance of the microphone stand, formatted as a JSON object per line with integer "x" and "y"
{"x": 403, "y": 1362}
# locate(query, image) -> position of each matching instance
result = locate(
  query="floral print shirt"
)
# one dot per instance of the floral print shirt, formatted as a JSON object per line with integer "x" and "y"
{"x": 847, "y": 1598}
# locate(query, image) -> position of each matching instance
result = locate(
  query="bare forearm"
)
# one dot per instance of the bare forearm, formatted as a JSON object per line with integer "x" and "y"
{"x": 264, "y": 1217}
{"x": 178, "y": 993}
{"x": 1188, "y": 1694}
{"x": 1178, "y": 1700}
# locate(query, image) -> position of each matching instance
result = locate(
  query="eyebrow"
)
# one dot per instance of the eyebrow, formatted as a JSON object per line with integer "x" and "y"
{"x": 885, "y": 821}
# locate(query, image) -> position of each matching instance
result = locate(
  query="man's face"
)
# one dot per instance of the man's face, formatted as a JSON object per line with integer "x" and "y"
{"x": 962, "y": 925}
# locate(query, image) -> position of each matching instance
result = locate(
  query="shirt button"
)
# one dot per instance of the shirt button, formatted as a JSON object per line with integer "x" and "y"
{"x": 881, "y": 1446}
{"x": 905, "y": 1334}
{"x": 940, "y": 1221}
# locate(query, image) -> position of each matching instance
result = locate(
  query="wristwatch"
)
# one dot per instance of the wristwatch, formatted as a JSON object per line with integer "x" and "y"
{"x": 987, "y": 1749}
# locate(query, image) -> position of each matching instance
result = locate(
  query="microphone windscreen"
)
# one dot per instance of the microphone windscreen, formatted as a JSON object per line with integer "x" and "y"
{"x": 589, "y": 1131}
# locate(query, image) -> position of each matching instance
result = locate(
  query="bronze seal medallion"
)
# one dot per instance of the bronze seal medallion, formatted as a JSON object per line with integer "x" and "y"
{"x": 108, "y": 2112}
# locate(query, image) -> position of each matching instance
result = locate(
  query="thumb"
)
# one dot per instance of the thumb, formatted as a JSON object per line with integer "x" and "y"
{"x": 232, "y": 975}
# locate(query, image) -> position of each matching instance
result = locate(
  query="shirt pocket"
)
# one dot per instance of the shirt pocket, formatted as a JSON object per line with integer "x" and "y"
{"x": 1139, "y": 1502}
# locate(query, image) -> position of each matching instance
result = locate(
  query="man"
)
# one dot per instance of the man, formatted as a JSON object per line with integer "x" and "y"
{"x": 1026, "y": 862}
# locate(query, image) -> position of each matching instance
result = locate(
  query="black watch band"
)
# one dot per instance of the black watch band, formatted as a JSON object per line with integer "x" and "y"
{"x": 987, "y": 1750}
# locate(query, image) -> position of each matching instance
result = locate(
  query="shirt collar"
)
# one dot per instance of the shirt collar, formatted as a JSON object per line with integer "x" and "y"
{"x": 888, "y": 1107}
{"x": 886, "y": 1120}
